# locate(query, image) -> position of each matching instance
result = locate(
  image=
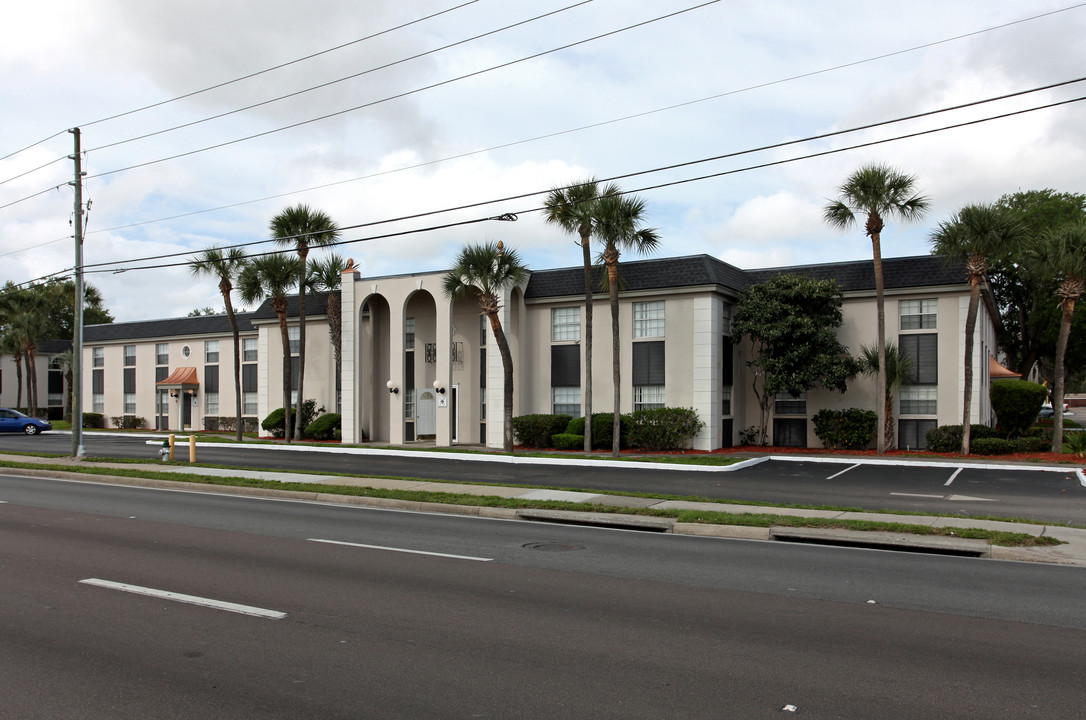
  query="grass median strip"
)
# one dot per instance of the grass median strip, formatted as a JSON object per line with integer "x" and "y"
{"x": 721, "y": 517}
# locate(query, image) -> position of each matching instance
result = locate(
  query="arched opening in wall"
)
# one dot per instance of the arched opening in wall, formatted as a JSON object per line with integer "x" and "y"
{"x": 372, "y": 369}
{"x": 421, "y": 349}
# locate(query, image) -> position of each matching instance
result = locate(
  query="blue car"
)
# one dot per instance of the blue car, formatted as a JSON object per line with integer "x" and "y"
{"x": 15, "y": 421}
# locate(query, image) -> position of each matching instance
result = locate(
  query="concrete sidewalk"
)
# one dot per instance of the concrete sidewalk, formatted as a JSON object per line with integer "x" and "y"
{"x": 1073, "y": 552}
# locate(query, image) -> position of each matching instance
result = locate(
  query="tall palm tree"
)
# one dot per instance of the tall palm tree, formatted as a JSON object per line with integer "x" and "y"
{"x": 1062, "y": 255}
{"x": 899, "y": 369}
{"x": 486, "y": 270}
{"x": 226, "y": 267}
{"x": 274, "y": 276}
{"x": 327, "y": 275}
{"x": 877, "y": 191}
{"x": 302, "y": 227}
{"x": 620, "y": 229}
{"x": 575, "y": 210}
{"x": 977, "y": 235}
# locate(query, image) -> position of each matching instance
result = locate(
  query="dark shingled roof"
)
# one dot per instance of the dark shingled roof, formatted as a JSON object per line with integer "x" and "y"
{"x": 315, "y": 304}
{"x": 168, "y": 327}
{"x": 690, "y": 271}
{"x": 859, "y": 275}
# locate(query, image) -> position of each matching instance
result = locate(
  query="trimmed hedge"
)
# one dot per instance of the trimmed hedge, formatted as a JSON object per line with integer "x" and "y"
{"x": 536, "y": 430}
{"x": 273, "y": 423}
{"x": 94, "y": 420}
{"x": 128, "y": 422}
{"x": 324, "y": 427}
{"x": 1016, "y": 404}
{"x": 948, "y": 438}
{"x": 663, "y": 428}
{"x": 567, "y": 441}
{"x": 602, "y": 429}
{"x": 850, "y": 429}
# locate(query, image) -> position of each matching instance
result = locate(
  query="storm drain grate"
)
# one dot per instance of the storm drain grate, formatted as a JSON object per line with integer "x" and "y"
{"x": 552, "y": 547}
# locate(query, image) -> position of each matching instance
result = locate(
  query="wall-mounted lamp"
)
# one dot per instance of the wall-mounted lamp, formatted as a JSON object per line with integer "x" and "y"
{"x": 392, "y": 387}
{"x": 173, "y": 393}
{"x": 437, "y": 386}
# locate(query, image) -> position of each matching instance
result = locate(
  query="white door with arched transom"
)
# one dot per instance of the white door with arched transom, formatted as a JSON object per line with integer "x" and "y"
{"x": 425, "y": 412}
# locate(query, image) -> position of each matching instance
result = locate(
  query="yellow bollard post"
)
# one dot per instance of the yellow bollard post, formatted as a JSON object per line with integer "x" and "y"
{"x": 172, "y": 443}
{"x": 192, "y": 448}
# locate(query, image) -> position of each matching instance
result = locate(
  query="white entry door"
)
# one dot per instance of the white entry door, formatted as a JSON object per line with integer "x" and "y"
{"x": 425, "y": 412}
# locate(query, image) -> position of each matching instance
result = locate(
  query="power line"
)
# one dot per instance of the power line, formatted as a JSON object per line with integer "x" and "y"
{"x": 405, "y": 93}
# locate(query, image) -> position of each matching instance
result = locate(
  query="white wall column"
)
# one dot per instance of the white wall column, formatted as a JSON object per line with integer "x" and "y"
{"x": 706, "y": 363}
{"x": 349, "y": 421}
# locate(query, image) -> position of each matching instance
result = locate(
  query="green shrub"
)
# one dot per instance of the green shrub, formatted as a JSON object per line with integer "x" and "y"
{"x": 211, "y": 423}
{"x": 1016, "y": 404}
{"x": 127, "y": 422}
{"x": 536, "y": 430}
{"x": 567, "y": 441}
{"x": 992, "y": 446}
{"x": 1033, "y": 444}
{"x": 1075, "y": 443}
{"x": 94, "y": 420}
{"x": 603, "y": 427}
{"x": 664, "y": 428}
{"x": 948, "y": 438}
{"x": 324, "y": 427}
{"x": 273, "y": 423}
{"x": 575, "y": 426}
{"x": 850, "y": 429}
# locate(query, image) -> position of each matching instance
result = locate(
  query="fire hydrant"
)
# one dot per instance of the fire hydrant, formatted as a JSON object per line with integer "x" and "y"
{"x": 164, "y": 451}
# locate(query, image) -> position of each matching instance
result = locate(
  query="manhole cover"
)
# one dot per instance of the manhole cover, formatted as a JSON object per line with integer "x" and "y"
{"x": 552, "y": 547}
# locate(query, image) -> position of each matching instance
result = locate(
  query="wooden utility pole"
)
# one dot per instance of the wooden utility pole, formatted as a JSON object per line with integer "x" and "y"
{"x": 77, "y": 332}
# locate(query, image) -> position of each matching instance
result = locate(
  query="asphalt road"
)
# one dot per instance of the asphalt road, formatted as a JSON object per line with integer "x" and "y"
{"x": 505, "y": 620}
{"x": 1051, "y": 497}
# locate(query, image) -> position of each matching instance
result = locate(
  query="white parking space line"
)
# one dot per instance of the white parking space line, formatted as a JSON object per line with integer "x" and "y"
{"x": 953, "y": 476}
{"x": 917, "y": 495}
{"x": 401, "y": 550}
{"x": 971, "y": 499}
{"x": 190, "y": 599}
{"x": 831, "y": 477}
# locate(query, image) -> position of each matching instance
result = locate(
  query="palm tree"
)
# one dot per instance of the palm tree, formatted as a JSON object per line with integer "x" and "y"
{"x": 10, "y": 343}
{"x": 226, "y": 267}
{"x": 877, "y": 191}
{"x": 977, "y": 235}
{"x": 620, "y": 229}
{"x": 899, "y": 369}
{"x": 575, "y": 210}
{"x": 485, "y": 270}
{"x": 327, "y": 274}
{"x": 274, "y": 276}
{"x": 301, "y": 227}
{"x": 1062, "y": 256}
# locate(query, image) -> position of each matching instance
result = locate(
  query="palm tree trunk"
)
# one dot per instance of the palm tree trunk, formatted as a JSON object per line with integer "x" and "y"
{"x": 286, "y": 373}
{"x": 237, "y": 365}
{"x": 585, "y": 246}
{"x": 335, "y": 329}
{"x": 611, "y": 259}
{"x": 880, "y": 378}
{"x": 303, "y": 253}
{"x": 1058, "y": 381}
{"x": 31, "y": 382}
{"x": 18, "y": 379}
{"x": 970, "y": 325}
{"x": 507, "y": 366}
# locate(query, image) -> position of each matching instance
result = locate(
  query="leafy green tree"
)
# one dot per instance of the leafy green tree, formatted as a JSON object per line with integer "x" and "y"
{"x": 200, "y": 312}
{"x": 975, "y": 235}
{"x": 485, "y": 270}
{"x": 302, "y": 227}
{"x": 273, "y": 276}
{"x": 791, "y": 320}
{"x": 1029, "y": 322}
{"x": 226, "y": 267}
{"x": 619, "y": 229}
{"x": 898, "y": 370}
{"x": 877, "y": 192}
{"x": 575, "y": 209}
{"x": 1062, "y": 256}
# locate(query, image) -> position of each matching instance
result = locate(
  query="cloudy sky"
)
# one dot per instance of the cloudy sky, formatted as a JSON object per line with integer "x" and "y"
{"x": 436, "y": 118}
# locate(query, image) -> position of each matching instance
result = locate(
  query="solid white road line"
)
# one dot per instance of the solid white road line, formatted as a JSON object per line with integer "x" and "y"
{"x": 953, "y": 476}
{"x": 917, "y": 495}
{"x": 967, "y": 498}
{"x": 402, "y": 550}
{"x": 831, "y": 477}
{"x": 190, "y": 599}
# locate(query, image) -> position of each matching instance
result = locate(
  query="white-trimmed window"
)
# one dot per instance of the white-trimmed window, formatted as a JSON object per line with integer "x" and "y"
{"x": 409, "y": 332}
{"x": 917, "y": 314}
{"x": 162, "y": 353}
{"x": 294, "y": 336}
{"x": 785, "y": 404}
{"x": 648, "y": 319}
{"x": 211, "y": 403}
{"x": 566, "y": 401}
{"x": 98, "y": 359}
{"x": 129, "y": 355}
{"x": 919, "y": 399}
{"x": 248, "y": 350}
{"x": 248, "y": 403}
{"x": 98, "y": 402}
{"x": 565, "y": 324}
{"x": 647, "y": 397}
{"x": 211, "y": 351}
{"x": 129, "y": 403}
